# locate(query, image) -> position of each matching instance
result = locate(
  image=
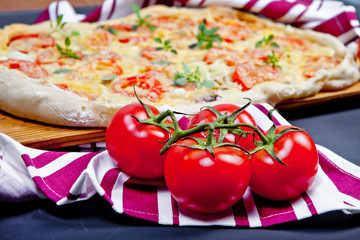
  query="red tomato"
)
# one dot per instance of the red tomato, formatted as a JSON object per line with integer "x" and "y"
{"x": 98, "y": 40}
{"x": 135, "y": 146}
{"x": 28, "y": 68}
{"x": 132, "y": 39}
{"x": 248, "y": 74}
{"x": 260, "y": 53}
{"x": 52, "y": 55}
{"x": 314, "y": 64}
{"x": 229, "y": 56}
{"x": 206, "y": 116}
{"x": 106, "y": 56}
{"x": 152, "y": 54}
{"x": 294, "y": 43}
{"x": 24, "y": 43}
{"x": 121, "y": 27}
{"x": 171, "y": 22}
{"x": 203, "y": 183}
{"x": 230, "y": 31}
{"x": 146, "y": 81}
{"x": 273, "y": 180}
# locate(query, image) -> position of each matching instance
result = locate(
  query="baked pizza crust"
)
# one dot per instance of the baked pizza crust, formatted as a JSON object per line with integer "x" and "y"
{"x": 34, "y": 99}
{"x": 29, "y": 98}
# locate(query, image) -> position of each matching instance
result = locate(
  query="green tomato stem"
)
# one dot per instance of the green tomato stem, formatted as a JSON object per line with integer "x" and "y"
{"x": 177, "y": 135}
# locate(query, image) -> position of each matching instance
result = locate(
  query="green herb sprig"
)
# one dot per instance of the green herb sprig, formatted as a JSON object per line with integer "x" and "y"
{"x": 206, "y": 36}
{"x": 67, "y": 51}
{"x": 58, "y": 28}
{"x": 141, "y": 20}
{"x": 59, "y": 25}
{"x": 165, "y": 45}
{"x": 267, "y": 41}
{"x": 107, "y": 80}
{"x": 181, "y": 78}
{"x": 272, "y": 60}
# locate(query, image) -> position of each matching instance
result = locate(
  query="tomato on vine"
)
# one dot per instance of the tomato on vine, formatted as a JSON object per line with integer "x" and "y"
{"x": 285, "y": 165}
{"x": 206, "y": 181}
{"x": 235, "y": 115}
{"x": 134, "y": 138}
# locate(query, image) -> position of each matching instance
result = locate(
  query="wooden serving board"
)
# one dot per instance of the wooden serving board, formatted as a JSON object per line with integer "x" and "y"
{"x": 43, "y": 136}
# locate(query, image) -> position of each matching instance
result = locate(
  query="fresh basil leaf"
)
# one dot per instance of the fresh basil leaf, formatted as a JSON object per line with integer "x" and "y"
{"x": 62, "y": 70}
{"x": 208, "y": 84}
{"x": 157, "y": 40}
{"x": 111, "y": 77}
{"x": 113, "y": 31}
{"x": 180, "y": 81}
{"x": 186, "y": 68}
{"x": 75, "y": 33}
{"x": 161, "y": 62}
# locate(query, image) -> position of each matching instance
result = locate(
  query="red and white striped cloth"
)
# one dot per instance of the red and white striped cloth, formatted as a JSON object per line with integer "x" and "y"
{"x": 67, "y": 177}
{"x": 333, "y": 17}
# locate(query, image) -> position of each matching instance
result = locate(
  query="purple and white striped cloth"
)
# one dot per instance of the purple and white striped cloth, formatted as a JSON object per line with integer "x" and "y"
{"x": 333, "y": 17}
{"x": 67, "y": 177}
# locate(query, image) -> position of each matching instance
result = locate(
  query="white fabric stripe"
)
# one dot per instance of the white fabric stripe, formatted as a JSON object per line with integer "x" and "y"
{"x": 97, "y": 144}
{"x": 98, "y": 167}
{"x": 292, "y": 14}
{"x": 277, "y": 115}
{"x": 194, "y": 2}
{"x": 52, "y": 11}
{"x": 349, "y": 35}
{"x": 88, "y": 181}
{"x": 12, "y": 164}
{"x": 346, "y": 166}
{"x": 117, "y": 192}
{"x": 353, "y": 46}
{"x": 55, "y": 165}
{"x": 260, "y": 118}
{"x": 83, "y": 186}
{"x": 324, "y": 194}
{"x": 64, "y": 8}
{"x": 68, "y": 12}
{"x": 164, "y": 206}
{"x": 260, "y": 5}
{"x": 189, "y": 218}
{"x": 231, "y": 3}
{"x": 301, "y": 208}
{"x": 349, "y": 8}
{"x": 354, "y": 23}
{"x": 6, "y": 142}
{"x": 251, "y": 210}
{"x": 351, "y": 200}
{"x": 315, "y": 16}
{"x": 105, "y": 10}
{"x": 119, "y": 8}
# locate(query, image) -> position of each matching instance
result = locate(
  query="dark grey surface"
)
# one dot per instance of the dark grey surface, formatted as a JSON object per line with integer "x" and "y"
{"x": 333, "y": 125}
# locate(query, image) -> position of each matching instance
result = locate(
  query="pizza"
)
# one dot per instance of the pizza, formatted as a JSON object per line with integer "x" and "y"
{"x": 80, "y": 74}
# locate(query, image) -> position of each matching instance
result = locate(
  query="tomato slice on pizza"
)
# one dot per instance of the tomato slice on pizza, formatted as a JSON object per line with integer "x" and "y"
{"x": 30, "y": 69}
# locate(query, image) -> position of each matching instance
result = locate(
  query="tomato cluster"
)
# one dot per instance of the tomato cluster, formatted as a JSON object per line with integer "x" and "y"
{"x": 208, "y": 166}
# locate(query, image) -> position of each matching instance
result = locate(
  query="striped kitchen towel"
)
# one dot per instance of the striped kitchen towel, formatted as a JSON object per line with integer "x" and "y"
{"x": 67, "y": 177}
{"x": 333, "y": 17}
